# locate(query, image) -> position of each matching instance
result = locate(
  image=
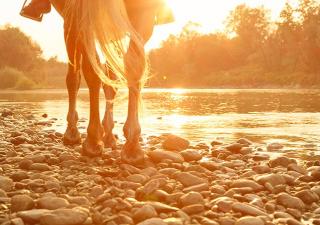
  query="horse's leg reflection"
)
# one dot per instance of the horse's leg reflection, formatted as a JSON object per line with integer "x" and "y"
{"x": 108, "y": 123}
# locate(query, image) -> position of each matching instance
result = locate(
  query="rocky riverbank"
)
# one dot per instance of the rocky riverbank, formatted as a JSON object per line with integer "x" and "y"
{"x": 44, "y": 182}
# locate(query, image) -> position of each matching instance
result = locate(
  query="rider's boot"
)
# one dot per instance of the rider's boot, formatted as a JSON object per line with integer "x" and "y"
{"x": 36, "y": 9}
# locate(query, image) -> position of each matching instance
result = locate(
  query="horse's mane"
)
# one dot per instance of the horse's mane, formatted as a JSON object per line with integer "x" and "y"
{"x": 104, "y": 27}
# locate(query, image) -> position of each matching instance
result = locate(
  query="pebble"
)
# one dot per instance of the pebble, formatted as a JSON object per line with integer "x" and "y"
{"x": 64, "y": 217}
{"x": 175, "y": 143}
{"x": 188, "y": 179}
{"x": 21, "y": 203}
{"x": 234, "y": 148}
{"x": 247, "y": 209}
{"x": 191, "y": 155}
{"x": 160, "y": 155}
{"x": 145, "y": 212}
{"x": 32, "y": 216}
{"x": 193, "y": 209}
{"x": 52, "y": 203}
{"x": 39, "y": 167}
{"x": 249, "y": 220}
{"x": 272, "y": 179}
{"x": 290, "y": 201}
{"x": 153, "y": 221}
{"x": 281, "y": 161}
{"x": 274, "y": 147}
{"x": 242, "y": 183}
{"x": 6, "y": 183}
{"x": 191, "y": 198}
{"x": 307, "y": 196}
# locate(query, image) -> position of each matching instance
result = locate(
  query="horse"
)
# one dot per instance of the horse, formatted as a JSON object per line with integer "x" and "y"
{"x": 120, "y": 30}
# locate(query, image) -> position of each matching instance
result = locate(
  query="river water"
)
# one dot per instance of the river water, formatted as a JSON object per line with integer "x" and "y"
{"x": 289, "y": 117}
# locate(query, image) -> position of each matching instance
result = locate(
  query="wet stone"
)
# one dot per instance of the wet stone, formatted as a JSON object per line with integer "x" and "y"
{"x": 188, "y": 179}
{"x": 6, "y": 183}
{"x": 64, "y": 217}
{"x": 193, "y": 209}
{"x": 52, "y": 203}
{"x": 175, "y": 143}
{"x": 191, "y": 198}
{"x": 32, "y": 216}
{"x": 159, "y": 155}
{"x": 247, "y": 209}
{"x": 290, "y": 201}
{"x": 191, "y": 155}
{"x": 145, "y": 212}
{"x": 307, "y": 196}
{"x": 282, "y": 161}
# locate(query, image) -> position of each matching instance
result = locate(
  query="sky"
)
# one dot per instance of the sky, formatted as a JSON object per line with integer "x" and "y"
{"x": 210, "y": 14}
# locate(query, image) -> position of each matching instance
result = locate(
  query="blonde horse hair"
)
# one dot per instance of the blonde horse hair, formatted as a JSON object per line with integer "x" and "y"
{"x": 103, "y": 26}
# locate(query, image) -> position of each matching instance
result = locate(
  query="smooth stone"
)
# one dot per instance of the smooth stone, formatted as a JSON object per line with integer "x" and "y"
{"x": 247, "y": 209}
{"x": 260, "y": 169}
{"x": 193, "y": 209}
{"x": 290, "y": 201}
{"x": 153, "y": 221}
{"x": 242, "y": 183}
{"x": 40, "y": 167}
{"x": 234, "y": 148}
{"x": 3, "y": 194}
{"x": 137, "y": 178}
{"x": 307, "y": 196}
{"x": 274, "y": 146}
{"x": 174, "y": 221}
{"x": 273, "y": 179}
{"x": 197, "y": 188}
{"x": 21, "y": 203}
{"x": 175, "y": 143}
{"x": 162, "y": 208}
{"x": 206, "y": 221}
{"x": 153, "y": 185}
{"x": 244, "y": 141}
{"x": 17, "y": 221}
{"x": 191, "y": 198}
{"x": 145, "y": 212}
{"x": 79, "y": 200}
{"x": 282, "y": 161}
{"x": 6, "y": 183}
{"x": 159, "y": 155}
{"x": 224, "y": 204}
{"x": 249, "y": 220}
{"x": 297, "y": 168}
{"x": 74, "y": 216}
{"x": 20, "y": 175}
{"x": 32, "y": 216}
{"x": 191, "y": 155}
{"x": 188, "y": 179}
{"x": 52, "y": 203}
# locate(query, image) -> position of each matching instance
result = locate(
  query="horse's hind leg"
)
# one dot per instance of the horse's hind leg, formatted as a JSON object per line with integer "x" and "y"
{"x": 93, "y": 144}
{"x": 72, "y": 135}
{"x": 132, "y": 153}
{"x": 109, "y": 139}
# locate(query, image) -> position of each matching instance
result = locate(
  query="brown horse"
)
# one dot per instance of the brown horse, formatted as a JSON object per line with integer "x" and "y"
{"x": 106, "y": 25}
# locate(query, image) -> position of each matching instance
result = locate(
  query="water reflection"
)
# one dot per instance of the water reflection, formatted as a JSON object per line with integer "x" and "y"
{"x": 291, "y": 117}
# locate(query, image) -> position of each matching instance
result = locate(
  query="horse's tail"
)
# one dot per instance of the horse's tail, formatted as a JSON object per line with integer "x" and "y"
{"x": 103, "y": 30}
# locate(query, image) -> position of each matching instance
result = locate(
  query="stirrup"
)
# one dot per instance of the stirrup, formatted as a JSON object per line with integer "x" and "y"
{"x": 38, "y": 19}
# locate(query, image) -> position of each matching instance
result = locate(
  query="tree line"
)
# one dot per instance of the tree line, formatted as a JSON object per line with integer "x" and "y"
{"x": 253, "y": 51}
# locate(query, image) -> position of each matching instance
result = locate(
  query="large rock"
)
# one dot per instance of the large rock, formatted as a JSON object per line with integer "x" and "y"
{"x": 188, "y": 179}
{"x": 247, "y": 209}
{"x": 159, "y": 155}
{"x": 249, "y": 220}
{"x": 175, "y": 143}
{"x": 21, "y": 203}
{"x": 6, "y": 183}
{"x": 191, "y": 198}
{"x": 64, "y": 217}
{"x": 290, "y": 201}
{"x": 52, "y": 203}
{"x": 246, "y": 183}
{"x": 145, "y": 212}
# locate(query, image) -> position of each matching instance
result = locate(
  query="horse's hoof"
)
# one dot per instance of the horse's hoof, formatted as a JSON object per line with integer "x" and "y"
{"x": 132, "y": 153}
{"x": 71, "y": 136}
{"x": 110, "y": 141}
{"x": 92, "y": 150}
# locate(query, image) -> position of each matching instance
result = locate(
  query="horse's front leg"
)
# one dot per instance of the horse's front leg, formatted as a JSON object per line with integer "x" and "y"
{"x": 108, "y": 123}
{"x": 143, "y": 22}
{"x": 72, "y": 135}
{"x": 93, "y": 144}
